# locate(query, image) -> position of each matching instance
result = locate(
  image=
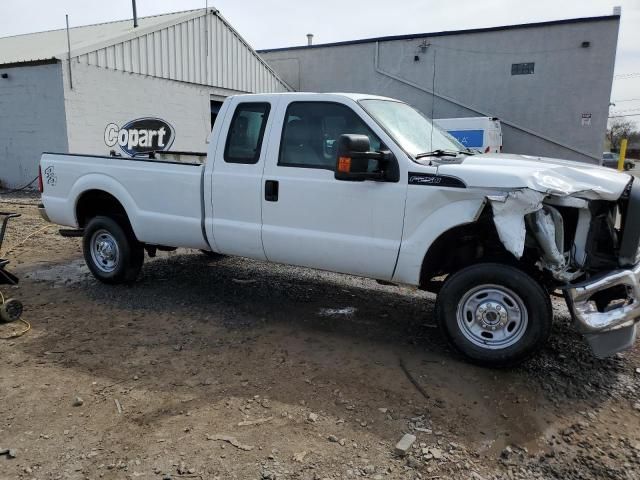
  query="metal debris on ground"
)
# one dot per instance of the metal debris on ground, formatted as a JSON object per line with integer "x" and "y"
{"x": 243, "y": 281}
{"x": 257, "y": 421}
{"x": 232, "y": 440}
{"x": 10, "y": 452}
{"x": 336, "y": 312}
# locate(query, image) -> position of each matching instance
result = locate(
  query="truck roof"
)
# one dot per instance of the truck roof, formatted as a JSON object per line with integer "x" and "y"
{"x": 328, "y": 95}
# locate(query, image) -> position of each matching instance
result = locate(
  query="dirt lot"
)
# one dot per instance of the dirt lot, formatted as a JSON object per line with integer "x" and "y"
{"x": 201, "y": 349}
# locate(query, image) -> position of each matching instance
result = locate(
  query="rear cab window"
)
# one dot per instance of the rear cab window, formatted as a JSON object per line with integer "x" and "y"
{"x": 246, "y": 132}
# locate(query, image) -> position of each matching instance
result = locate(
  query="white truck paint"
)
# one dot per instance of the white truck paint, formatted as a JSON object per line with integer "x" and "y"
{"x": 419, "y": 209}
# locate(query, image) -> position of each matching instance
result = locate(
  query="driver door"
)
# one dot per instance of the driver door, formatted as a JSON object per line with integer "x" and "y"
{"x": 311, "y": 219}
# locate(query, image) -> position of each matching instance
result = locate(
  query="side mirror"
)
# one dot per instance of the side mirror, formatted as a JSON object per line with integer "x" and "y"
{"x": 356, "y": 162}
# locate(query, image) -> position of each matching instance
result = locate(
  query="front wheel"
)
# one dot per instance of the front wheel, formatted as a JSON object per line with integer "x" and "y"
{"x": 111, "y": 251}
{"x": 494, "y": 314}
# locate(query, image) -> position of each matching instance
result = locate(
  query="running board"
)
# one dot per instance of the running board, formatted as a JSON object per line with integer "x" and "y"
{"x": 71, "y": 232}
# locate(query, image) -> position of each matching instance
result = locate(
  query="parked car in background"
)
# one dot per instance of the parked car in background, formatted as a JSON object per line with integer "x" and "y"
{"x": 610, "y": 159}
{"x": 482, "y": 134}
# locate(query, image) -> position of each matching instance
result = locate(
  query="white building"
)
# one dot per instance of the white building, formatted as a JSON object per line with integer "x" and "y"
{"x": 164, "y": 79}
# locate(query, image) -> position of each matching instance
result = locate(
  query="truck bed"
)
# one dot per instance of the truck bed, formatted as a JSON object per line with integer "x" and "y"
{"x": 163, "y": 199}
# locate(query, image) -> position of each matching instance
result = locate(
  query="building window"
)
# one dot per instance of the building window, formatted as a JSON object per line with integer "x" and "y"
{"x": 244, "y": 140}
{"x": 311, "y": 130}
{"x": 215, "y": 109}
{"x": 522, "y": 68}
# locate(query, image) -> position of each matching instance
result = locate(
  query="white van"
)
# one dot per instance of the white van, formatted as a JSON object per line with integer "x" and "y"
{"x": 483, "y": 134}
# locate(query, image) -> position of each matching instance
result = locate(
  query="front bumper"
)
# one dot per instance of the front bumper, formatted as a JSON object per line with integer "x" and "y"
{"x": 614, "y": 328}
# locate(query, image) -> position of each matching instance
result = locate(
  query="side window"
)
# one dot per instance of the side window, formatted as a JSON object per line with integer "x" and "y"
{"x": 311, "y": 130}
{"x": 244, "y": 139}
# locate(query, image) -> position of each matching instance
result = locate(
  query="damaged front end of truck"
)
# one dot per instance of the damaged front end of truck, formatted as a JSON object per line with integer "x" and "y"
{"x": 584, "y": 238}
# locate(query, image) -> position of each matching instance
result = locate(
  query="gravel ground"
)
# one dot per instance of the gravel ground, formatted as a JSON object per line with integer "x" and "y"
{"x": 238, "y": 369}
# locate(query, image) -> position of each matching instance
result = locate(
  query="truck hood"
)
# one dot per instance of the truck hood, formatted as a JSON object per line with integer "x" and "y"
{"x": 545, "y": 175}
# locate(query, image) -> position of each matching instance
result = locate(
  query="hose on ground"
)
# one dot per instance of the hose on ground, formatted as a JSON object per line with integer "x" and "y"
{"x": 20, "y": 319}
{"x": 6, "y": 192}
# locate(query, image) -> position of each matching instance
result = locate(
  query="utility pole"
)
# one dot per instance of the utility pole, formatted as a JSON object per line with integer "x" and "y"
{"x": 135, "y": 14}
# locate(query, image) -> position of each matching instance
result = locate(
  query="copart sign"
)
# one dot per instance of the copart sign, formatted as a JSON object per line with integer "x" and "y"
{"x": 142, "y": 135}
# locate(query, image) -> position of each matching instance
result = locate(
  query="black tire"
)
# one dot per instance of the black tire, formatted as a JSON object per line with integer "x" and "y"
{"x": 212, "y": 255}
{"x": 118, "y": 237}
{"x": 515, "y": 292}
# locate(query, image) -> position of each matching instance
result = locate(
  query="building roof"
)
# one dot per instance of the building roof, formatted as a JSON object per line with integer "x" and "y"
{"x": 448, "y": 32}
{"x": 53, "y": 43}
{"x": 194, "y": 46}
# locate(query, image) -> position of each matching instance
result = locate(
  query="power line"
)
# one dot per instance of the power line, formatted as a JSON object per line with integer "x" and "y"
{"x": 629, "y": 115}
{"x": 626, "y": 76}
{"x": 627, "y": 100}
{"x": 626, "y": 110}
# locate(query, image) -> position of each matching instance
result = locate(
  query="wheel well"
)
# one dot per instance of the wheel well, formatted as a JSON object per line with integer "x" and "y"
{"x": 98, "y": 202}
{"x": 461, "y": 246}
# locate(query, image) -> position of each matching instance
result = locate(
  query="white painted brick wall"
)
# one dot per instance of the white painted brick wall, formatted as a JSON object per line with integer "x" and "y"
{"x": 101, "y": 96}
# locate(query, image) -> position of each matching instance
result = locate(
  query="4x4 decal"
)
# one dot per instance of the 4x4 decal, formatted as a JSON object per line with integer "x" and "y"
{"x": 435, "y": 180}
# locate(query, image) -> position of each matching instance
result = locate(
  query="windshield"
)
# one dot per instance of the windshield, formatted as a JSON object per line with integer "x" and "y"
{"x": 413, "y": 132}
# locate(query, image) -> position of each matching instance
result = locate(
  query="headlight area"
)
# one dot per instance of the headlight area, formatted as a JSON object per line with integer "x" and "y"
{"x": 605, "y": 303}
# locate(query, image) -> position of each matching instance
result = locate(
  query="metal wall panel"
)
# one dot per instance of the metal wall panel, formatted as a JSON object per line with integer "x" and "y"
{"x": 204, "y": 50}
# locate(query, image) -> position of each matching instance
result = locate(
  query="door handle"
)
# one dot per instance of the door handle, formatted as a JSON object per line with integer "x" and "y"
{"x": 271, "y": 190}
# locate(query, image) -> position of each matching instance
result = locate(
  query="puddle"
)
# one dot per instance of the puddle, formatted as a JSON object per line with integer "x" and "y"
{"x": 76, "y": 271}
{"x": 63, "y": 274}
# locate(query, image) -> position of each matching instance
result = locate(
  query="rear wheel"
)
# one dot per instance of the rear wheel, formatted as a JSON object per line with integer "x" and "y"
{"x": 494, "y": 314}
{"x": 111, "y": 251}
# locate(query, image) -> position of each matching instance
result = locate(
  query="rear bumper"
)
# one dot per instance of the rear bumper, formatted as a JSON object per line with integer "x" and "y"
{"x": 614, "y": 328}
{"x": 43, "y": 213}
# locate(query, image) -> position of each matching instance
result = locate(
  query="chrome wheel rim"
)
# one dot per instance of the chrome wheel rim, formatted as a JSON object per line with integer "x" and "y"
{"x": 105, "y": 252}
{"x": 492, "y": 317}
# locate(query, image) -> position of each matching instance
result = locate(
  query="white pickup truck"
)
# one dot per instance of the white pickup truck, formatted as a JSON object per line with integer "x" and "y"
{"x": 365, "y": 185}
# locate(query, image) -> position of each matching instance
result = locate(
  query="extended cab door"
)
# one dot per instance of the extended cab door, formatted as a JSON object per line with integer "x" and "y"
{"x": 236, "y": 195}
{"x": 311, "y": 219}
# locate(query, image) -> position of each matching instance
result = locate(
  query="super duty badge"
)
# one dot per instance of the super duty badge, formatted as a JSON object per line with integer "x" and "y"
{"x": 141, "y": 135}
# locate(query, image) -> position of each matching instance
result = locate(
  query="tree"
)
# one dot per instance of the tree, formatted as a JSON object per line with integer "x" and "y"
{"x": 619, "y": 128}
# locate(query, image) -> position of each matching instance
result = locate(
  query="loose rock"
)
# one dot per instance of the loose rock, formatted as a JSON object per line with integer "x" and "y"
{"x": 405, "y": 443}
{"x": 436, "y": 453}
{"x": 299, "y": 457}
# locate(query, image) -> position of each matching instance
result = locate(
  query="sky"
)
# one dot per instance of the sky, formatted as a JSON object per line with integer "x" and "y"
{"x": 283, "y": 23}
